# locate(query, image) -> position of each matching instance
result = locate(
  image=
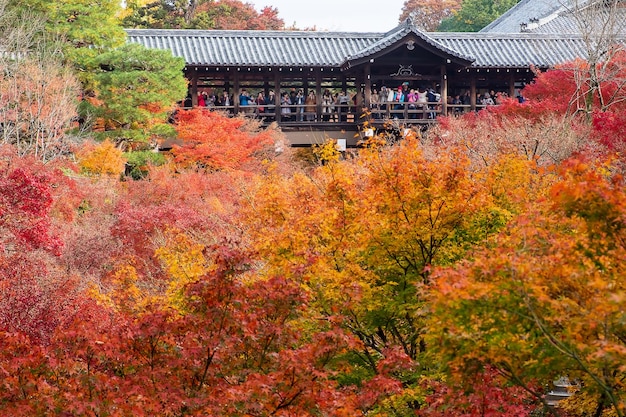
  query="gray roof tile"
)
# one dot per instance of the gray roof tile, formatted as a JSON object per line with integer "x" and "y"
{"x": 552, "y": 17}
{"x": 400, "y": 32}
{"x": 514, "y": 50}
{"x": 255, "y": 48}
{"x": 333, "y": 49}
{"x": 565, "y": 22}
{"x": 522, "y": 12}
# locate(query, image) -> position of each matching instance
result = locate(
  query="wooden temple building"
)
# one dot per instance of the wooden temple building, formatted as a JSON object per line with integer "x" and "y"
{"x": 500, "y": 58}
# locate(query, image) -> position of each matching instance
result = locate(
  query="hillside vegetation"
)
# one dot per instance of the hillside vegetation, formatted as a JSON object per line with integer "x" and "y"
{"x": 456, "y": 273}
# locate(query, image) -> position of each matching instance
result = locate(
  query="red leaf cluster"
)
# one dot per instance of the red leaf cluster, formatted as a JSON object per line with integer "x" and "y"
{"x": 213, "y": 141}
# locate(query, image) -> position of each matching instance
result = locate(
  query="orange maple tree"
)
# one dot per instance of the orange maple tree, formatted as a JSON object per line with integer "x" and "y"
{"x": 363, "y": 235}
{"x": 213, "y": 141}
{"x": 545, "y": 300}
{"x": 428, "y": 14}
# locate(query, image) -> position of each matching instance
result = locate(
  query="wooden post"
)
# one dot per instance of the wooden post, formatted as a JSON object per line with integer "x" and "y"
{"x": 511, "y": 85}
{"x": 343, "y": 112}
{"x": 227, "y": 85}
{"x": 305, "y": 84}
{"x": 236, "y": 93}
{"x": 194, "y": 88}
{"x": 368, "y": 86}
{"x": 444, "y": 91}
{"x": 358, "y": 81}
{"x": 318, "y": 94}
{"x": 277, "y": 95}
{"x": 472, "y": 91}
{"x": 305, "y": 87}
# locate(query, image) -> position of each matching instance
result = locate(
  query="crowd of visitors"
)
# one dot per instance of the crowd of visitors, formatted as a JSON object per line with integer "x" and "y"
{"x": 460, "y": 103}
{"x": 295, "y": 105}
{"x": 403, "y": 102}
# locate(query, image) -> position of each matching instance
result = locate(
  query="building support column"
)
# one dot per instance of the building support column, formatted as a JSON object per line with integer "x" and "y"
{"x": 472, "y": 92}
{"x": 266, "y": 86}
{"x": 358, "y": 97}
{"x": 368, "y": 86}
{"x": 194, "y": 88}
{"x": 512, "y": 85}
{"x": 237, "y": 92}
{"x": 227, "y": 85}
{"x": 277, "y": 95}
{"x": 318, "y": 95}
{"x": 444, "y": 91}
{"x": 342, "y": 112}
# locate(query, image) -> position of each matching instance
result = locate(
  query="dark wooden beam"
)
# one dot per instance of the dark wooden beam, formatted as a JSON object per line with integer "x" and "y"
{"x": 318, "y": 94}
{"x": 194, "y": 88}
{"x": 368, "y": 85}
{"x": 277, "y": 95}
{"x": 444, "y": 90}
{"x": 472, "y": 91}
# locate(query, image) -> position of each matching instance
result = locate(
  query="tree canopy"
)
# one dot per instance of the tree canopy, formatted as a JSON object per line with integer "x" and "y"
{"x": 200, "y": 14}
{"x": 429, "y": 14}
{"x": 136, "y": 91}
{"x": 450, "y": 274}
{"x": 475, "y": 15}
{"x": 454, "y": 15}
{"x": 446, "y": 273}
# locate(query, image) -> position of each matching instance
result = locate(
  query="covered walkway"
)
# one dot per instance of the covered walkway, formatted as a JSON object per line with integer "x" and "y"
{"x": 272, "y": 64}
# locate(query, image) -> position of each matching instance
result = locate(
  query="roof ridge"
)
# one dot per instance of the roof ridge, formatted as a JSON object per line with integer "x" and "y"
{"x": 503, "y": 50}
{"x": 504, "y": 15}
{"x": 399, "y": 33}
{"x": 252, "y": 33}
{"x": 503, "y": 35}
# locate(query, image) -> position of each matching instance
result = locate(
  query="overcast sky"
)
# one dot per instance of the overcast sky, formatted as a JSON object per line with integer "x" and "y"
{"x": 337, "y": 15}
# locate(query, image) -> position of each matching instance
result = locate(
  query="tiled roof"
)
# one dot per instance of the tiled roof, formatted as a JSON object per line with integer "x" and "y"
{"x": 522, "y": 12}
{"x": 554, "y": 17}
{"x": 399, "y": 33}
{"x": 514, "y": 50}
{"x": 565, "y": 22}
{"x": 334, "y": 49}
{"x": 256, "y": 48}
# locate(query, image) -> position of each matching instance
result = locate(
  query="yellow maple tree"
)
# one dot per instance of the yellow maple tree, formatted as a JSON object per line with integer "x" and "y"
{"x": 103, "y": 159}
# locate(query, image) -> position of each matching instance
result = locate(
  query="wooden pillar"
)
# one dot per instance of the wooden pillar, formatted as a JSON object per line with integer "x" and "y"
{"x": 194, "y": 88}
{"x": 318, "y": 94}
{"x": 343, "y": 112}
{"x": 358, "y": 81}
{"x": 305, "y": 88}
{"x": 472, "y": 91}
{"x": 511, "y": 85}
{"x": 444, "y": 91}
{"x": 277, "y": 95}
{"x": 227, "y": 85}
{"x": 236, "y": 92}
{"x": 368, "y": 86}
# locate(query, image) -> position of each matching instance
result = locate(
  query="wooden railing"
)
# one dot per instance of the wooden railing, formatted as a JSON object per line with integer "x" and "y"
{"x": 407, "y": 111}
{"x": 346, "y": 113}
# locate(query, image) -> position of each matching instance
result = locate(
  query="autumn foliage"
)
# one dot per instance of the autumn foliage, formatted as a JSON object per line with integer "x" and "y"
{"x": 201, "y": 14}
{"x": 212, "y": 141}
{"x": 428, "y": 15}
{"x": 457, "y": 273}
{"x": 102, "y": 159}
